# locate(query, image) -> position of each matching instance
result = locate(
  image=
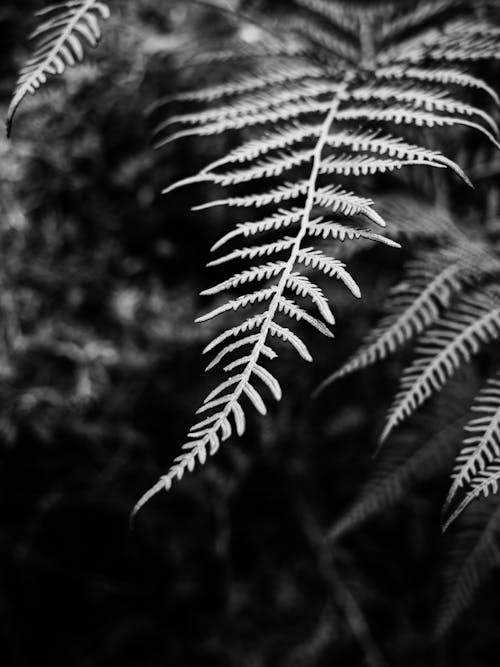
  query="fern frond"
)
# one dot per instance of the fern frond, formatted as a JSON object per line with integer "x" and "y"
{"x": 396, "y": 474}
{"x": 416, "y": 303}
{"x": 60, "y": 37}
{"x": 216, "y": 428}
{"x": 474, "y": 554}
{"x": 454, "y": 339}
{"x": 477, "y": 463}
{"x": 483, "y": 446}
{"x": 340, "y": 118}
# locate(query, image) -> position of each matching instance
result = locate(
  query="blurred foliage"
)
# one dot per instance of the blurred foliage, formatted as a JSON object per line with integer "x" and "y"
{"x": 100, "y": 367}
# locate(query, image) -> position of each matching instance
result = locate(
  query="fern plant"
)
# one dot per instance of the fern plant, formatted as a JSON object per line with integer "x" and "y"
{"x": 350, "y": 95}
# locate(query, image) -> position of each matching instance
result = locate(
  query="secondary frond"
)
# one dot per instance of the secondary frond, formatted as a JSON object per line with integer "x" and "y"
{"x": 60, "y": 39}
{"x": 428, "y": 287}
{"x": 473, "y": 555}
{"x": 479, "y": 459}
{"x": 451, "y": 342}
{"x": 397, "y": 472}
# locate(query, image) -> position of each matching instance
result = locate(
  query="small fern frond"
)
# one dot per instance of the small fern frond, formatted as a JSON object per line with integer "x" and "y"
{"x": 482, "y": 447}
{"x": 475, "y": 552}
{"x": 416, "y": 303}
{"x": 478, "y": 463}
{"x": 60, "y": 37}
{"x": 396, "y": 474}
{"x": 443, "y": 349}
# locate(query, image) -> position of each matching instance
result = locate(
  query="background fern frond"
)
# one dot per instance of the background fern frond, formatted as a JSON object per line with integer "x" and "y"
{"x": 481, "y": 448}
{"x": 398, "y": 471}
{"x": 452, "y": 341}
{"x": 428, "y": 287}
{"x": 473, "y": 554}
{"x": 60, "y": 39}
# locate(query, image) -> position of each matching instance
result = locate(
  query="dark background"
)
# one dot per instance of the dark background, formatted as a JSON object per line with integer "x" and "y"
{"x": 101, "y": 372}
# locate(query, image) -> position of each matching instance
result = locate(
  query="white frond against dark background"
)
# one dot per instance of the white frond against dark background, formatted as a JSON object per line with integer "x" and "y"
{"x": 317, "y": 134}
{"x": 64, "y": 30}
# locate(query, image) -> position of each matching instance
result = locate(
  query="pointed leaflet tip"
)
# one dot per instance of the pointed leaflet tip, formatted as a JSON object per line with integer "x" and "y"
{"x": 185, "y": 181}
{"x": 162, "y": 484}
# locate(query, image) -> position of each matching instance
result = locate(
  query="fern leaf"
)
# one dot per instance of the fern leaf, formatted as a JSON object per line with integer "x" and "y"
{"x": 293, "y": 310}
{"x": 286, "y": 192}
{"x": 339, "y": 232}
{"x": 474, "y": 554}
{"x": 415, "y": 117}
{"x": 482, "y": 447}
{"x": 232, "y": 347}
{"x": 416, "y": 304}
{"x": 282, "y": 218}
{"x": 270, "y": 116}
{"x": 302, "y": 286}
{"x": 396, "y": 474}
{"x": 255, "y": 104}
{"x": 441, "y": 75}
{"x": 330, "y": 267}
{"x": 240, "y": 302}
{"x": 255, "y": 274}
{"x": 255, "y": 251}
{"x": 272, "y": 76}
{"x": 65, "y": 27}
{"x": 442, "y": 350}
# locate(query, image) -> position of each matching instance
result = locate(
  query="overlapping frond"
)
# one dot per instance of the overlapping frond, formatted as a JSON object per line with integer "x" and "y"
{"x": 478, "y": 463}
{"x": 472, "y": 322}
{"x": 60, "y": 38}
{"x": 398, "y": 471}
{"x": 474, "y": 553}
{"x": 428, "y": 287}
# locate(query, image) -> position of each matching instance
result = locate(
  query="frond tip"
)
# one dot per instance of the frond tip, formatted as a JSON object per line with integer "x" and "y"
{"x": 59, "y": 44}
